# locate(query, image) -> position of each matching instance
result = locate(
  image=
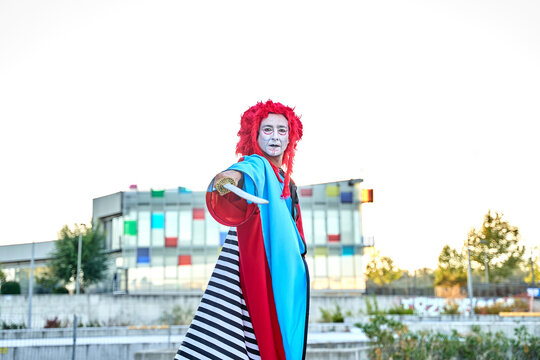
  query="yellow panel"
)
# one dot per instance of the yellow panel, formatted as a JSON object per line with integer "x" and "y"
{"x": 332, "y": 190}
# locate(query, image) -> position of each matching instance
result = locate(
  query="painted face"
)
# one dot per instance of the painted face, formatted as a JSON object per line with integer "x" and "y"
{"x": 274, "y": 135}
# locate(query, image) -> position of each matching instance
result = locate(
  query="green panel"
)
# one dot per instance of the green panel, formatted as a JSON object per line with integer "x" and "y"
{"x": 130, "y": 227}
{"x": 157, "y": 193}
{"x": 321, "y": 251}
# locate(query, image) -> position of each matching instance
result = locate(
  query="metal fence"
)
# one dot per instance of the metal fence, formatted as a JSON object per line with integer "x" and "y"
{"x": 479, "y": 290}
{"x": 87, "y": 343}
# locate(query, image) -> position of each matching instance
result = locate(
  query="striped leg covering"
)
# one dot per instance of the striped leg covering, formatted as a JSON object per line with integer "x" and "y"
{"x": 221, "y": 328}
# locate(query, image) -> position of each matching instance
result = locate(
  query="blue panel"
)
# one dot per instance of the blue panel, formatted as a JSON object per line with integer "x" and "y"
{"x": 346, "y": 197}
{"x": 143, "y": 255}
{"x": 348, "y": 250}
{"x": 182, "y": 190}
{"x": 222, "y": 236}
{"x": 158, "y": 221}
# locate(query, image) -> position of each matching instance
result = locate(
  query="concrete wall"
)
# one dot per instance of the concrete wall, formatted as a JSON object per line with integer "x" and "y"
{"x": 118, "y": 310}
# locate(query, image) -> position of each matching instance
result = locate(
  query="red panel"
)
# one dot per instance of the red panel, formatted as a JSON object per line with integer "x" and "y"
{"x": 184, "y": 260}
{"x": 198, "y": 214}
{"x": 256, "y": 283}
{"x": 306, "y": 192}
{"x": 171, "y": 241}
{"x": 334, "y": 237}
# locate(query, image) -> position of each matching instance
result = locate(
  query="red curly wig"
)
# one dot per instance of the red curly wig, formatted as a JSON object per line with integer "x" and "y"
{"x": 249, "y": 131}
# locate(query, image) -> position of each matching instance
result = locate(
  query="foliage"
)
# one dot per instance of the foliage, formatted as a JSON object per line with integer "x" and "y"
{"x": 372, "y": 306}
{"x": 536, "y": 266}
{"x": 53, "y": 323}
{"x": 12, "y": 326}
{"x": 450, "y": 309}
{"x": 525, "y": 345}
{"x": 518, "y": 305}
{"x": 381, "y": 269}
{"x": 335, "y": 316}
{"x": 400, "y": 310}
{"x": 496, "y": 244}
{"x": 94, "y": 261}
{"x": 177, "y": 316}
{"x": 60, "y": 290}
{"x": 393, "y": 340}
{"x": 451, "y": 269}
{"x": 46, "y": 283}
{"x": 3, "y": 276}
{"x": 10, "y": 288}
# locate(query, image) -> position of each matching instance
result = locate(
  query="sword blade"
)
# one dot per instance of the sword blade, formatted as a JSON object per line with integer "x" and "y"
{"x": 245, "y": 195}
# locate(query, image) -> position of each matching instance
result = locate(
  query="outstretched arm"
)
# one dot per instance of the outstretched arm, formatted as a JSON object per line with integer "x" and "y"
{"x": 228, "y": 176}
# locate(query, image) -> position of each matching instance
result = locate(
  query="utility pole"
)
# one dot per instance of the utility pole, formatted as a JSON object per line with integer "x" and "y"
{"x": 469, "y": 280}
{"x": 30, "y": 288}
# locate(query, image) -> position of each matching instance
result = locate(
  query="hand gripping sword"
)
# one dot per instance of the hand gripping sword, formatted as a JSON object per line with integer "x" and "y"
{"x": 245, "y": 195}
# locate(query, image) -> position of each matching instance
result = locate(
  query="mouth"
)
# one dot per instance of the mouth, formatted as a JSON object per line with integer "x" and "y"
{"x": 274, "y": 146}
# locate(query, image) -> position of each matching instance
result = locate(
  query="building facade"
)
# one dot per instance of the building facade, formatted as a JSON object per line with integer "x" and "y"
{"x": 166, "y": 240}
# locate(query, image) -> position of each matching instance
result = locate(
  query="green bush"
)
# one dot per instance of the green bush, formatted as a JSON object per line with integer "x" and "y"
{"x": 372, "y": 306}
{"x": 335, "y": 316}
{"x": 60, "y": 290}
{"x": 400, "y": 310}
{"x": 12, "y": 326}
{"x": 10, "y": 288}
{"x": 392, "y": 340}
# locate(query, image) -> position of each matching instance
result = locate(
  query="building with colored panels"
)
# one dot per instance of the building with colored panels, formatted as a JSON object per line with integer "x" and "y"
{"x": 165, "y": 240}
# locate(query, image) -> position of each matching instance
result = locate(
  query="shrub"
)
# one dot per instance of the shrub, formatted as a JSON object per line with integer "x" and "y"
{"x": 53, "y": 323}
{"x": 400, "y": 310}
{"x": 450, "y": 309}
{"x": 335, "y": 316}
{"x": 372, "y": 306}
{"x": 12, "y": 326}
{"x": 497, "y": 307}
{"x": 60, "y": 290}
{"x": 10, "y": 288}
{"x": 392, "y": 340}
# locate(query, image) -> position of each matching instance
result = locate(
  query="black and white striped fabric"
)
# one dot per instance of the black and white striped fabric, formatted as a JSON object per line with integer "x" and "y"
{"x": 221, "y": 328}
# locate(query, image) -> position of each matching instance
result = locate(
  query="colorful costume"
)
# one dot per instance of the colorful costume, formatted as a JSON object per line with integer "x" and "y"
{"x": 256, "y": 304}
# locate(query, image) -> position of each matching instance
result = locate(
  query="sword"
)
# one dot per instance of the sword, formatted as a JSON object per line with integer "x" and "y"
{"x": 245, "y": 195}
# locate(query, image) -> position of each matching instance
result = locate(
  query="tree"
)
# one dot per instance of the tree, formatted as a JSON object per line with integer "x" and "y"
{"x": 2, "y": 276}
{"x": 381, "y": 269}
{"x": 94, "y": 261}
{"x": 536, "y": 265}
{"x": 496, "y": 246}
{"x": 451, "y": 269}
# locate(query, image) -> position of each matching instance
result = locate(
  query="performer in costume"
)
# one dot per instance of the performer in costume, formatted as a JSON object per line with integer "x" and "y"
{"x": 256, "y": 303}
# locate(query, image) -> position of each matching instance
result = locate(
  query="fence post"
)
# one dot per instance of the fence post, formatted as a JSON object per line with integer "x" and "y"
{"x": 169, "y": 330}
{"x": 74, "y": 337}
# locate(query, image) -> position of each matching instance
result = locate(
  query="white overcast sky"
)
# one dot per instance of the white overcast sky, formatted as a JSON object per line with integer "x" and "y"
{"x": 435, "y": 104}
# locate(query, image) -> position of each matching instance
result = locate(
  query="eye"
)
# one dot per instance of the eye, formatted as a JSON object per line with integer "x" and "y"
{"x": 268, "y": 130}
{"x": 282, "y": 131}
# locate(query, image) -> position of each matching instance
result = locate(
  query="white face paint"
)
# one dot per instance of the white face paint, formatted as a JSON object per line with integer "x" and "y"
{"x": 274, "y": 135}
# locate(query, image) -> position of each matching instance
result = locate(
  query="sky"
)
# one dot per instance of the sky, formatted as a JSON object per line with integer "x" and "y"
{"x": 433, "y": 103}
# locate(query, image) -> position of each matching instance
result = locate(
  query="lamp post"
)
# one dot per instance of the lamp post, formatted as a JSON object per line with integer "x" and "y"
{"x": 469, "y": 279}
{"x": 79, "y": 254}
